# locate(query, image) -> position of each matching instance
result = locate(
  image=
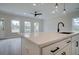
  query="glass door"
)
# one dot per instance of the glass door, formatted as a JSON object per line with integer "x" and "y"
{"x": 27, "y": 27}
{"x": 15, "y": 26}
{"x": 36, "y": 26}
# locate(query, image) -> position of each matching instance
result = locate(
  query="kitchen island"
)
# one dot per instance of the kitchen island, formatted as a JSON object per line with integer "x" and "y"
{"x": 47, "y": 43}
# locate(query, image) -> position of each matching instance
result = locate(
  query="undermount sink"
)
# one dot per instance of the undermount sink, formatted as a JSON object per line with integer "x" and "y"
{"x": 65, "y": 32}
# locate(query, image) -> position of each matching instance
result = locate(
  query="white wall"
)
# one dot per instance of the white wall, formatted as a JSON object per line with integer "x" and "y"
{"x": 50, "y": 25}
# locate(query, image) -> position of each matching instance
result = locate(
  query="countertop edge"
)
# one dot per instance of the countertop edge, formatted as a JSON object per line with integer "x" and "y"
{"x": 52, "y": 42}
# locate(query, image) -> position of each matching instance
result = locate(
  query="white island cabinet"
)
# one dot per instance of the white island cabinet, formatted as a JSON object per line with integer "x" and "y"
{"x": 75, "y": 45}
{"x": 65, "y": 51}
{"x": 58, "y": 48}
{"x": 50, "y": 44}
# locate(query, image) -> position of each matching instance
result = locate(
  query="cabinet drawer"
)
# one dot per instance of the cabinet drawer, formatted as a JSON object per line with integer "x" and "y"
{"x": 54, "y": 48}
{"x": 75, "y": 45}
{"x": 65, "y": 51}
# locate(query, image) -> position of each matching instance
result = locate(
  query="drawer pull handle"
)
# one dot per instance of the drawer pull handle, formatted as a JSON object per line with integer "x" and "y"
{"x": 76, "y": 43}
{"x": 68, "y": 41}
{"x": 64, "y": 53}
{"x": 57, "y": 48}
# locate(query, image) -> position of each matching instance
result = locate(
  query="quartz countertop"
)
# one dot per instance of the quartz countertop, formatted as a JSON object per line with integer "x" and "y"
{"x": 45, "y": 38}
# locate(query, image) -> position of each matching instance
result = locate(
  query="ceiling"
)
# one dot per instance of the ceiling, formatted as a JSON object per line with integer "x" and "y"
{"x": 26, "y": 9}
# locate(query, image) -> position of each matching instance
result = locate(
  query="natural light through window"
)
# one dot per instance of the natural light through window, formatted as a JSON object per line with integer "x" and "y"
{"x": 1, "y": 25}
{"x": 15, "y": 26}
{"x": 75, "y": 24}
{"x": 36, "y": 27}
{"x": 27, "y": 27}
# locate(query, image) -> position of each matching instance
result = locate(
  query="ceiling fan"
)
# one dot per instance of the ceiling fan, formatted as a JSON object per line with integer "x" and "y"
{"x": 36, "y": 13}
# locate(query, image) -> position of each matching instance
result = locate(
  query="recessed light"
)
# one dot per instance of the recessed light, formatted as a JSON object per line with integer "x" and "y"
{"x": 34, "y": 4}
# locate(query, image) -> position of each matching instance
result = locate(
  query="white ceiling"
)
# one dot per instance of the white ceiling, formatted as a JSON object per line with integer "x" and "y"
{"x": 45, "y": 8}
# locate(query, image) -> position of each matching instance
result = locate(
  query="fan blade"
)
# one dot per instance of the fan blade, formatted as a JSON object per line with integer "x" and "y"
{"x": 39, "y": 13}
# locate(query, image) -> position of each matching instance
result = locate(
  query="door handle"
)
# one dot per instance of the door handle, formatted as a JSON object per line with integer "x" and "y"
{"x": 57, "y": 48}
{"x": 76, "y": 43}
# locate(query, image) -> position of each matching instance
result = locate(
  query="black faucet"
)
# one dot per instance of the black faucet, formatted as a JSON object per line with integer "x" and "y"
{"x": 58, "y": 26}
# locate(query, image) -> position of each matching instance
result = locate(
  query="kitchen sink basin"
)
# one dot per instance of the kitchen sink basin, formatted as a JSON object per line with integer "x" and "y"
{"x": 65, "y": 32}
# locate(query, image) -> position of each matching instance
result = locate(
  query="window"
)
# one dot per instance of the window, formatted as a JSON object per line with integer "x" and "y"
{"x": 1, "y": 25}
{"x": 75, "y": 24}
{"x": 15, "y": 26}
{"x": 27, "y": 27}
{"x": 36, "y": 27}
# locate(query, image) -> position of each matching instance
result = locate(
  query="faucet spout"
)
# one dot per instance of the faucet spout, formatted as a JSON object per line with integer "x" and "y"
{"x": 58, "y": 26}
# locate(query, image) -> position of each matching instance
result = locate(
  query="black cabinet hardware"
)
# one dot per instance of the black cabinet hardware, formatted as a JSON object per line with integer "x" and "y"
{"x": 76, "y": 43}
{"x": 64, "y": 53}
{"x": 68, "y": 41}
{"x": 57, "y": 48}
